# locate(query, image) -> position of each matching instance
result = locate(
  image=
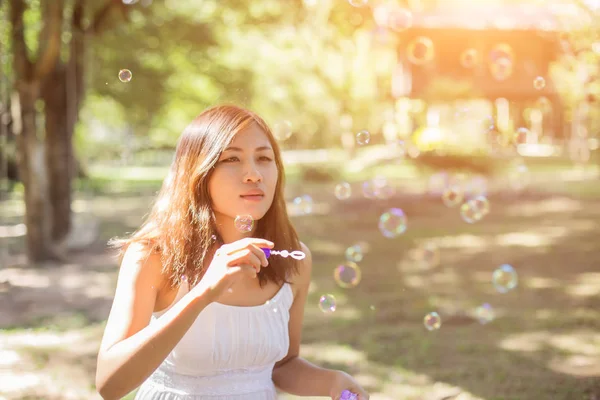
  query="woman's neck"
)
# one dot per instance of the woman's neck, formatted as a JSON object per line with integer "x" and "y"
{"x": 227, "y": 231}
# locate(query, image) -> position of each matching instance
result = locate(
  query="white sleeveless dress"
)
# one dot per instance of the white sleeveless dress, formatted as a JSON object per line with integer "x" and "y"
{"x": 227, "y": 354}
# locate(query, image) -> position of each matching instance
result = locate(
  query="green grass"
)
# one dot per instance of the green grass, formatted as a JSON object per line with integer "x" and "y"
{"x": 376, "y": 333}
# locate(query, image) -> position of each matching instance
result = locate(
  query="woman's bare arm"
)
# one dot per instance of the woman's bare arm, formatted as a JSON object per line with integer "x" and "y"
{"x": 293, "y": 374}
{"x": 132, "y": 349}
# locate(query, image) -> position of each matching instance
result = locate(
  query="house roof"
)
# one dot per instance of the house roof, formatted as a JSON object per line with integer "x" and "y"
{"x": 475, "y": 15}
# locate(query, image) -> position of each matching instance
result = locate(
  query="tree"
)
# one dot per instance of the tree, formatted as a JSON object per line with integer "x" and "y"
{"x": 49, "y": 84}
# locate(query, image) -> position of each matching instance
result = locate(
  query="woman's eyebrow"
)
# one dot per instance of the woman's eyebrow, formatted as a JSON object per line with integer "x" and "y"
{"x": 261, "y": 148}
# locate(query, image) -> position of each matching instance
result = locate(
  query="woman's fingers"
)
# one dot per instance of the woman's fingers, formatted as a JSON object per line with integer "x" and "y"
{"x": 245, "y": 257}
{"x": 258, "y": 252}
{"x": 238, "y": 245}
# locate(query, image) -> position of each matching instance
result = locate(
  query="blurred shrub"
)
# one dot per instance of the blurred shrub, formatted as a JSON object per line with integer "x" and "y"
{"x": 320, "y": 173}
{"x": 482, "y": 165}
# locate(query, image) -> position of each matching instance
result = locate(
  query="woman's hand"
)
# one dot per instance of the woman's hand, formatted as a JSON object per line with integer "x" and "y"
{"x": 230, "y": 263}
{"x": 343, "y": 381}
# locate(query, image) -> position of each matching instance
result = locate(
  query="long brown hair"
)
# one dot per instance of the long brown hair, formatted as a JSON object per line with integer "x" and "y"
{"x": 181, "y": 224}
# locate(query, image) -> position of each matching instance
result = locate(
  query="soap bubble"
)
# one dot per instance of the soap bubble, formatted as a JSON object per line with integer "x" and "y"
{"x": 501, "y": 69}
{"x": 244, "y": 223}
{"x": 282, "y": 130}
{"x": 476, "y": 186}
{"x": 327, "y": 303}
{"x": 452, "y": 196}
{"x": 485, "y": 313}
{"x": 358, "y": 3}
{"x": 382, "y": 189}
{"x": 354, "y": 253}
{"x": 432, "y": 321}
{"x": 392, "y": 223}
{"x": 363, "y": 137}
{"x": 482, "y": 204}
{"x": 470, "y": 212}
{"x": 400, "y": 19}
{"x": 469, "y": 58}
{"x": 347, "y": 275}
{"x": 427, "y": 255}
{"x": 125, "y": 75}
{"x": 343, "y": 191}
{"x": 539, "y": 83}
{"x": 420, "y": 50}
{"x": 304, "y": 204}
{"x": 377, "y": 188}
{"x": 504, "y": 278}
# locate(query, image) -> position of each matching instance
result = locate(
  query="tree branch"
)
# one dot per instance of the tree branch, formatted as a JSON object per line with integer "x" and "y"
{"x": 50, "y": 37}
{"x": 102, "y": 14}
{"x": 23, "y": 66}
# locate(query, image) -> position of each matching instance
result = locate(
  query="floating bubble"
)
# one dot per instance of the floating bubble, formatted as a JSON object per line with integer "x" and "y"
{"x": 343, "y": 191}
{"x": 420, "y": 50}
{"x": 505, "y": 278}
{"x": 539, "y": 83}
{"x": 427, "y": 255}
{"x": 327, "y": 303}
{"x": 476, "y": 186}
{"x": 347, "y": 275}
{"x": 469, "y": 212}
{"x": 304, "y": 204}
{"x": 363, "y": 137}
{"x": 363, "y": 246}
{"x": 485, "y": 313}
{"x": 377, "y": 188}
{"x": 432, "y": 321}
{"x": 358, "y": 3}
{"x": 354, "y": 253}
{"x": 469, "y": 58}
{"x": 125, "y": 75}
{"x": 482, "y": 205}
{"x": 392, "y": 223}
{"x": 501, "y": 69}
{"x": 244, "y": 223}
{"x": 521, "y": 135}
{"x": 381, "y": 188}
{"x": 282, "y": 130}
{"x": 453, "y": 196}
{"x": 502, "y": 51}
{"x": 369, "y": 189}
{"x": 399, "y": 19}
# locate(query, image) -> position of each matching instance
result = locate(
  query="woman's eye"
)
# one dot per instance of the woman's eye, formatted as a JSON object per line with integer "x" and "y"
{"x": 265, "y": 158}
{"x": 230, "y": 159}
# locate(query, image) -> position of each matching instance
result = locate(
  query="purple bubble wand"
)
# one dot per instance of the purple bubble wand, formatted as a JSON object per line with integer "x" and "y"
{"x": 348, "y": 395}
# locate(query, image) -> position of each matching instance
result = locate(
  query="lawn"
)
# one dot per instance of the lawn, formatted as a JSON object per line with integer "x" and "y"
{"x": 544, "y": 342}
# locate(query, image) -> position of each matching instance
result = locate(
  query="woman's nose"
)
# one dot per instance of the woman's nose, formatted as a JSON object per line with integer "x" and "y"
{"x": 252, "y": 174}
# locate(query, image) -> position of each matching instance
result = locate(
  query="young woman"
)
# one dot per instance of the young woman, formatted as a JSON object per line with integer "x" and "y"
{"x": 199, "y": 311}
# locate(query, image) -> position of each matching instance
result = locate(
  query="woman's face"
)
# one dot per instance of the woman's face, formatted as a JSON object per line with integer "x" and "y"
{"x": 244, "y": 179}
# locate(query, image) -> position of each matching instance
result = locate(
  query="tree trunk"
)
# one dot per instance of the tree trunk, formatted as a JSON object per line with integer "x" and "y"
{"x": 62, "y": 94}
{"x": 59, "y": 153}
{"x": 30, "y": 157}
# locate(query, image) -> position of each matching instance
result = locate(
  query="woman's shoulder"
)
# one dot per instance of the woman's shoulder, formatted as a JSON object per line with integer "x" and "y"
{"x": 304, "y": 270}
{"x": 141, "y": 261}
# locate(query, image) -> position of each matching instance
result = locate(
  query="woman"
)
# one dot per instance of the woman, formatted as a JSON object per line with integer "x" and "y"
{"x": 199, "y": 311}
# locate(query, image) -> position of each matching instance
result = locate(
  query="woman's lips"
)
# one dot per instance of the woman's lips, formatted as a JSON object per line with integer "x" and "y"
{"x": 253, "y": 197}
